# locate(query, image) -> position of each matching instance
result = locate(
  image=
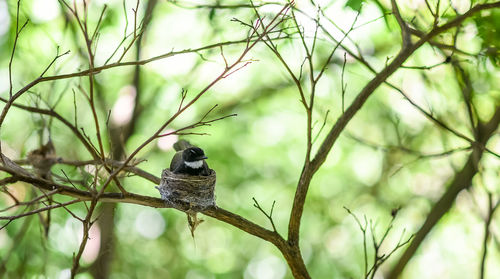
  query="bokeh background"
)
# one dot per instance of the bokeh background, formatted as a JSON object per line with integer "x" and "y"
{"x": 379, "y": 163}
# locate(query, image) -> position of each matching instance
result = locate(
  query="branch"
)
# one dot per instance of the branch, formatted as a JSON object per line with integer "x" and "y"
{"x": 269, "y": 27}
{"x": 339, "y": 126}
{"x": 53, "y": 113}
{"x": 487, "y": 233}
{"x": 462, "y": 180}
{"x": 96, "y": 70}
{"x": 405, "y": 34}
{"x": 16, "y": 37}
{"x": 324, "y": 149}
{"x": 131, "y": 198}
{"x": 10, "y": 218}
{"x": 268, "y": 215}
{"x": 378, "y": 259}
{"x": 31, "y": 202}
{"x": 363, "y": 231}
{"x": 116, "y": 164}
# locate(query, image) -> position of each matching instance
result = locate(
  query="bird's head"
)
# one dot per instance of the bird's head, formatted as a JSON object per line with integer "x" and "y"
{"x": 193, "y": 154}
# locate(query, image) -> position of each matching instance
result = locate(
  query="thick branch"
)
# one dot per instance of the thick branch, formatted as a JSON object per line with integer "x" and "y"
{"x": 462, "y": 180}
{"x": 405, "y": 34}
{"x": 309, "y": 170}
{"x": 217, "y": 213}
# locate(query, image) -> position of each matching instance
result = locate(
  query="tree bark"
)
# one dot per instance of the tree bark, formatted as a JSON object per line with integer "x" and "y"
{"x": 295, "y": 261}
{"x": 101, "y": 268}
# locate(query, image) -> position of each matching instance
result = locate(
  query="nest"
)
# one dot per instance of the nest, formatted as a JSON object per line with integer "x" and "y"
{"x": 190, "y": 193}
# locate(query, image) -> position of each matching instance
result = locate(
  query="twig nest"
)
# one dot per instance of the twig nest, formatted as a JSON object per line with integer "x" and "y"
{"x": 190, "y": 193}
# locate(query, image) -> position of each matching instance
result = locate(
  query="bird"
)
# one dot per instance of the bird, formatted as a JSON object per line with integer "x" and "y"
{"x": 189, "y": 159}
{"x": 43, "y": 159}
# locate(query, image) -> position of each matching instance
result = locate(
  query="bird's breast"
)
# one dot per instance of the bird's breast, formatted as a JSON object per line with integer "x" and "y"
{"x": 194, "y": 165}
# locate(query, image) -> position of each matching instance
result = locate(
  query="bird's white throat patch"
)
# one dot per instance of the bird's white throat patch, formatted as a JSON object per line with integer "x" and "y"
{"x": 194, "y": 165}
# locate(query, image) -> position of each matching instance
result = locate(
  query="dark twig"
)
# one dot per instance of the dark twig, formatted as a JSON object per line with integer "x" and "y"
{"x": 53, "y": 61}
{"x": 31, "y": 202}
{"x": 405, "y": 33}
{"x": 268, "y": 215}
{"x": 269, "y": 27}
{"x": 342, "y": 84}
{"x": 200, "y": 123}
{"x": 462, "y": 180}
{"x": 16, "y": 37}
{"x": 378, "y": 259}
{"x": 487, "y": 233}
{"x": 98, "y": 25}
{"x": 136, "y": 34}
{"x": 363, "y": 229}
{"x": 322, "y": 126}
{"x": 259, "y": 32}
{"x": 14, "y": 217}
{"x": 87, "y": 224}
{"x": 417, "y": 153}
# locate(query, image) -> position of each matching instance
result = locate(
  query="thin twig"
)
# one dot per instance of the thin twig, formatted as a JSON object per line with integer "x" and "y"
{"x": 269, "y": 216}
{"x": 10, "y": 218}
{"x": 270, "y": 26}
{"x": 342, "y": 84}
{"x": 31, "y": 202}
{"x": 18, "y": 32}
{"x": 363, "y": 229}
{"x": 487, "y": 233}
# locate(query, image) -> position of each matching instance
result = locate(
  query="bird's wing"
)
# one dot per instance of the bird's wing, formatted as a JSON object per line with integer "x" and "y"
{"x": 176, "y": 161}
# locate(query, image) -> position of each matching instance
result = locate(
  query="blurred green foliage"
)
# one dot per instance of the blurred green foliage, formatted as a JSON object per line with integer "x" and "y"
{"x": 488, "y": 26}
{"x": 260, "y": 152}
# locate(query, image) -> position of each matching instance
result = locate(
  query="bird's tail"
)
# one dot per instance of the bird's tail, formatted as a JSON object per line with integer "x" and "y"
{"x": 181, "y": 145}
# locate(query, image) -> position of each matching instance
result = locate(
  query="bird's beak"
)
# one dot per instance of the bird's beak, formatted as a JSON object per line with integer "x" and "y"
{"x": 204, "y": 157}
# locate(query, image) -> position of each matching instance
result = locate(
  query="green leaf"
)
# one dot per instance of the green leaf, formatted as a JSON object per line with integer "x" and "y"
{"x": 354, "y": 4}
{"x": 488, "y": 27}
{"x": 211, "y": 15}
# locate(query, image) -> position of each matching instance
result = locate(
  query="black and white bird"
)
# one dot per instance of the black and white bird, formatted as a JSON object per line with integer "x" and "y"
{"x": 189, "y": 159}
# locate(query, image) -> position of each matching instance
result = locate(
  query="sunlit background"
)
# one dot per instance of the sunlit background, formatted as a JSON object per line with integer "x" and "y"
{"x": 258, "y": 153}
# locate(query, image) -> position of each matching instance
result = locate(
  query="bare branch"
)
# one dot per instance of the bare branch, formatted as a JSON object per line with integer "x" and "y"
{"x": 31, "y": 202}
{"x": 378, "y": 259}
{"x": 53, "y": 60}
{"x": 462, "y": 180}
{"x": 10, "y": 218}
{"x": 344, "y": 85}
{"x": 270, "y": 26}
{"x": 16, "y": 37}
{"x": 487, "y": 233}
{"x": 405, "y": 34}
{"x": 268, "y": 215}
{"x": 309, "y": 170}
{"x": 363, "y": 229}
{"x": 98, "y": 25}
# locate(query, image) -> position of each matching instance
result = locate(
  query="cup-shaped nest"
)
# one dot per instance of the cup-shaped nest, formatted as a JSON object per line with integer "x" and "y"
{"x": 190, "y": 193}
